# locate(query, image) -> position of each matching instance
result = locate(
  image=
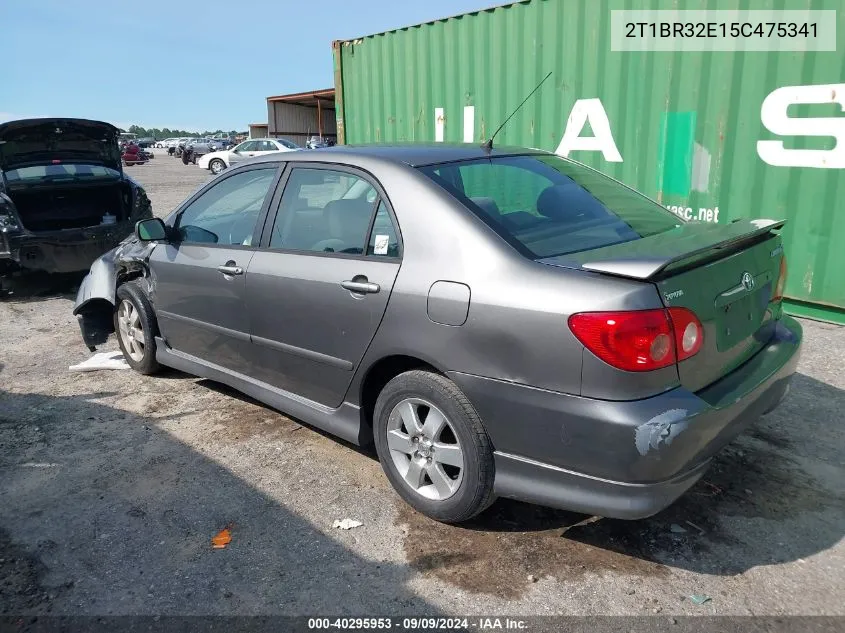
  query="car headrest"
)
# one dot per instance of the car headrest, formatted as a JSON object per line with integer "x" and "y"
{"x": 347, "y": 220}
{"x": 488, "y": 205}
{"x": 568, "y": 203}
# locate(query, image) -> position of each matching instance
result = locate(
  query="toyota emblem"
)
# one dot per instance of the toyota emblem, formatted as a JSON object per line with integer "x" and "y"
{"x": 747, "y": 281}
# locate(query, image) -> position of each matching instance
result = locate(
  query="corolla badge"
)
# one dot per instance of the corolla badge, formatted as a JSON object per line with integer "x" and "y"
{"x": 674, "y": 295}
{"x": 747, "y": 281}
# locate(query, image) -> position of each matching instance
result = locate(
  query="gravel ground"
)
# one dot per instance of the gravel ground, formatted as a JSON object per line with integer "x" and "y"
{"x": 113, "y": 485}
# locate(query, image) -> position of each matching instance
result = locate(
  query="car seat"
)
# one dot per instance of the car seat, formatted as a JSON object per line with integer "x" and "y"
{"x": 347, "y": 222}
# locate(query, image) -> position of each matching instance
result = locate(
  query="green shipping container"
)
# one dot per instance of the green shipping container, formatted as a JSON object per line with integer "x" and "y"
{"x": 711, "y": 135}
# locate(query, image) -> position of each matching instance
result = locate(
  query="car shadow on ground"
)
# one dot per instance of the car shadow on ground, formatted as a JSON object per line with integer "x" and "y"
{"x": 104, "y": 512}
{"x": 778, "y": 480}
{"x": 225, "y": 390}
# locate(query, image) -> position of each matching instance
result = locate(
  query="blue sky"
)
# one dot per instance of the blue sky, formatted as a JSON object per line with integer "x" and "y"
{"x": 184, "y": 64}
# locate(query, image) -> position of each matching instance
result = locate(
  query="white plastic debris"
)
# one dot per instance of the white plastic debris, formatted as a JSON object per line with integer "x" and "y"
{"x": 346, "y": 524}
{"x": 102, "y": 360}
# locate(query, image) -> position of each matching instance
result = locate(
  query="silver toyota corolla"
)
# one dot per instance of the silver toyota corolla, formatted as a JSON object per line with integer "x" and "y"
{"x": 498, "y": 322}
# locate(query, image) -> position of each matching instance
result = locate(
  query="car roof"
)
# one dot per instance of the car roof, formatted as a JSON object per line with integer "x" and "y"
{"x": 414, "y": 154}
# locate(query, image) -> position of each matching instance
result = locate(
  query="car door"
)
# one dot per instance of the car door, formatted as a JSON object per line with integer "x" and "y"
{"x": 198, "y": 276}
{"x": 318, "y": 287}
{"x": 245, "y": 150}
{"x": 266, "y": 147}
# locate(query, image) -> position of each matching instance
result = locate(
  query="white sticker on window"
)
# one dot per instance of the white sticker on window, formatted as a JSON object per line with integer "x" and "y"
{"x": 382, "y": 242}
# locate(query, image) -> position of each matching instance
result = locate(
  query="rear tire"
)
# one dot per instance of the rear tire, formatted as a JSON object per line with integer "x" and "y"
{"x": 136, "y": 328}
{"x": 433, "y": 447}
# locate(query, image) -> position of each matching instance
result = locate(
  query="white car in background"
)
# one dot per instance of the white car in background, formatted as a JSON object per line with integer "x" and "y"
{"x": 218, "y": 161}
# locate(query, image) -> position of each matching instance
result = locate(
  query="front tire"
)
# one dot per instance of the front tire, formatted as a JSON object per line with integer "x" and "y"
{"x": 433, "y": 447}
{"x": 216, "y": 166}
{"x": 136, "y": 328}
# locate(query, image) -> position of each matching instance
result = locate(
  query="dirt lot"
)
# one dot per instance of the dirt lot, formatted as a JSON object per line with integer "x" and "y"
{"x": 113, "y": 485}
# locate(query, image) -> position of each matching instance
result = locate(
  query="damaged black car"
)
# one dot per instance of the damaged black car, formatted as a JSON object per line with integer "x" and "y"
{"x": 64, "y": 198}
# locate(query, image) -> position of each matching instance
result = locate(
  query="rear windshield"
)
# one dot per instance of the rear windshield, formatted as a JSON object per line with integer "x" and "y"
{"x": 67, "y": 172}
{"x": 546, "y": 206}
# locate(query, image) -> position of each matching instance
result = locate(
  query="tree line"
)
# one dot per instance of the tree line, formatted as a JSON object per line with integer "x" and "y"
{"x": 162, "y": 133}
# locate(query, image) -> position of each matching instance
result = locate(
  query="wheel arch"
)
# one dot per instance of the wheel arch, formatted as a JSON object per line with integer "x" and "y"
{"x": 378, "y": 374}
{"x": 97, "y": 297}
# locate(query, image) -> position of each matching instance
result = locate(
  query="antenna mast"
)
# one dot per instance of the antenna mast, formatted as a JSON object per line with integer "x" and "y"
{"x": 488, "y": 144}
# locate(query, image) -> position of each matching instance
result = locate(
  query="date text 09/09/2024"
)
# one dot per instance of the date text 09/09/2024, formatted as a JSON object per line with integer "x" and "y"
{"x": 418, "y": 624}
{"x": 721, "y": 29}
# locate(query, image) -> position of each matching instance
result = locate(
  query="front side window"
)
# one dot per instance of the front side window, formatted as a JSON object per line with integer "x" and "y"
{"x": 315, "y": 214}
{"x": 246, "y": 146}
{"x": 546, "y": 206}
{"x": 226, "y": 213}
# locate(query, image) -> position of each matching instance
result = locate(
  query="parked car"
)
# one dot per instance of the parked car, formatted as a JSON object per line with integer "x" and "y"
{"x": 218, "y": 161}
{"x": 133, "y": 155}
{"x": 181, "y": 145}
{"x": 175, "y": 145}
{"x": 193, "y": 148}
{"x": 318, "y": 142}
{"x": 498, "y": 321}
{"x": 64, "y": 199}
{"x": 218, "y": 144}
{"x": 145, "y": 142}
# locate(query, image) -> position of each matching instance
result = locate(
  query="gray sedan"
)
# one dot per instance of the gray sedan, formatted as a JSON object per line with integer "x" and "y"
{"x": 498, "y": 322}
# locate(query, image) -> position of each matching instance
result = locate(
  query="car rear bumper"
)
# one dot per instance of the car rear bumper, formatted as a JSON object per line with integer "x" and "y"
{"x": 624, "y": 459}
{"x": 66, "y": 251}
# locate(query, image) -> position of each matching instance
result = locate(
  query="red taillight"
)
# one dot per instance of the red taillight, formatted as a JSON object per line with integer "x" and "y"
{"x": 641, "y": 340}
{"x": 689, "y": 335}
{"x": 633, "y": 341}
{"x": 778, "y": 296}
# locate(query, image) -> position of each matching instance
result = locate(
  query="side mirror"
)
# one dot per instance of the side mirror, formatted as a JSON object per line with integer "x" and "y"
{"x": 151, "y": 230}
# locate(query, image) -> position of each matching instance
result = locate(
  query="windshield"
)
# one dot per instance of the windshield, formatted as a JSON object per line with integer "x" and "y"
{"x": 67, "y": 172}
{"x": 545, "y": 206}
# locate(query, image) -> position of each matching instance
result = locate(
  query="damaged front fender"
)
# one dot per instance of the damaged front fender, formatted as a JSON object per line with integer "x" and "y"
{"x": 95, "y": 300}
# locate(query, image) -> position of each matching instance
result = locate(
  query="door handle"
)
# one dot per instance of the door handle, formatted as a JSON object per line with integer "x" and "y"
{"x": 361, "y": 287}
{"x": 231, "y": 270}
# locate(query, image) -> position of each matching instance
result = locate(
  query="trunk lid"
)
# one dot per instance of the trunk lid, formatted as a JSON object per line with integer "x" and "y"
{"x": 31, "y": 142}
{"x": 725, "y": 274}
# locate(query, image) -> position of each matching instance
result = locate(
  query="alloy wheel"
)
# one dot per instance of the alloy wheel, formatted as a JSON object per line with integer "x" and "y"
{"x": 425, "y": 449}
{"x": 131, "y": 330}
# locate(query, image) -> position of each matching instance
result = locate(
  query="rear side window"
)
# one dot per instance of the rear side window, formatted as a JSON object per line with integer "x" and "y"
{"x": 546, "y": 206}
{"x": 384, "y": 242}
{"x": 324, "y": 211}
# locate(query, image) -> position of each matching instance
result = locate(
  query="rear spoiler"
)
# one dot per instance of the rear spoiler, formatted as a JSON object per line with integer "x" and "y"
{"x": 643, "y": 265}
